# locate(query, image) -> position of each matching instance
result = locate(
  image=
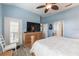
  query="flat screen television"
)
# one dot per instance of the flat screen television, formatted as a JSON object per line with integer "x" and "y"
{"x": 33, "y": 27}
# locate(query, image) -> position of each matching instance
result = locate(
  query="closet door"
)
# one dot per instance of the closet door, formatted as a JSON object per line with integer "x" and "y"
{"x": 58, "y": 28}
{"x": 45, "y": 30}
{"x": 12, "y": 30}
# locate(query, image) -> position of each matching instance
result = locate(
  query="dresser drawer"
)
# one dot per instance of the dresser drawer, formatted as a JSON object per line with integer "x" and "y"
{"x": 28, "y": 45}
{"x": 31, "y": 37}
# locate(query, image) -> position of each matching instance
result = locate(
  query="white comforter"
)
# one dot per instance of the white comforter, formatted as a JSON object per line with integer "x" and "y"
{"x": 56, "y": 46}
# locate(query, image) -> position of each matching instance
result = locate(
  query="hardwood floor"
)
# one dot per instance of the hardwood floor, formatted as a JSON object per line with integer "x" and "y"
{"x": 23, "y": 52}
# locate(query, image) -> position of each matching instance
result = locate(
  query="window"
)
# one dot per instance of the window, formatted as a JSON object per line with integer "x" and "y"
{"x": 14, "y": 31}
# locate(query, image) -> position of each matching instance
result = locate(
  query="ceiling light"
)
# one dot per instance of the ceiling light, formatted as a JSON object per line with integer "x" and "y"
{"x": 48, "y": 6}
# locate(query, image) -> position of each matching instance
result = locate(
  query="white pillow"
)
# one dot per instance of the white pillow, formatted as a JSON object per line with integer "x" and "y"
{"x": 75, "y": 36}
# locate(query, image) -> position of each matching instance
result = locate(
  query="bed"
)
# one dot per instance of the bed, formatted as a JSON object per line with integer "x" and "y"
{"x": 56, "y": 46}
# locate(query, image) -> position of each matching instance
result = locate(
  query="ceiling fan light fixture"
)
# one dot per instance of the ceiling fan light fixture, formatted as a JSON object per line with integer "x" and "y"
{"x": 48, "y": 6}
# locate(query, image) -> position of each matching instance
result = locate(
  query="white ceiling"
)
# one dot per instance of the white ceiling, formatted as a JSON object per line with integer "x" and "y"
{"x": 32, "y": 7}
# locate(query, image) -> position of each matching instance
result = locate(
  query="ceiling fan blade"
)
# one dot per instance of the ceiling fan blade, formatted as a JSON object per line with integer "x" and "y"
{"x": 55, "y": 7}
{"x": 40, "y": 6}
{"x": 46, "y": 10}
{"x": 50, "y": 3}
{"x": 53, "y": 3}
{"x": 68, "y": 5}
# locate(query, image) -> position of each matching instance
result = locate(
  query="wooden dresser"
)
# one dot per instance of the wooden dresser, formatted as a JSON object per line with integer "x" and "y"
{"x": 30, "y": 37}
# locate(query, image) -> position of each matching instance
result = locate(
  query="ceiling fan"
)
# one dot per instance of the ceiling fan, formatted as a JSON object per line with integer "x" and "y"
{"x": 68, "y": 5}
{"x": 49, "y": 6}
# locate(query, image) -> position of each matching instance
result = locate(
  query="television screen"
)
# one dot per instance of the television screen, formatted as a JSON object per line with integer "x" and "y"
{"x": 33, "y": 27}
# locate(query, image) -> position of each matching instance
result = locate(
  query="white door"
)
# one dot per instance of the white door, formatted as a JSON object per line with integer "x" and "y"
{"x": 45, "y": 30}
{"x": 12, "y": 30}
{"x": 58, "y": 28}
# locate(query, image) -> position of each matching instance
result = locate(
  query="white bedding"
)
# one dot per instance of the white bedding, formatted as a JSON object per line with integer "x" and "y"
{"x": 56, "y": 46}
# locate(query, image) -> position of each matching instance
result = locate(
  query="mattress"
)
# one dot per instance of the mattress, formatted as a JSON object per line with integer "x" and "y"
{"x": 56, "y": 46}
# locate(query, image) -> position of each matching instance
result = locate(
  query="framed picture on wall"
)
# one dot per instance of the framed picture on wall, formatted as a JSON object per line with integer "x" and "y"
{"x": 50, "y": 26}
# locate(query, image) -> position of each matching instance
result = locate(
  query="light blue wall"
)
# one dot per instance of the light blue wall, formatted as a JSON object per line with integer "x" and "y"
{"x": 0, "y": 18}
{"x": 71, "y": 20}
{"x": 50, "y": 31}
{"x": 16, "y": 12}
